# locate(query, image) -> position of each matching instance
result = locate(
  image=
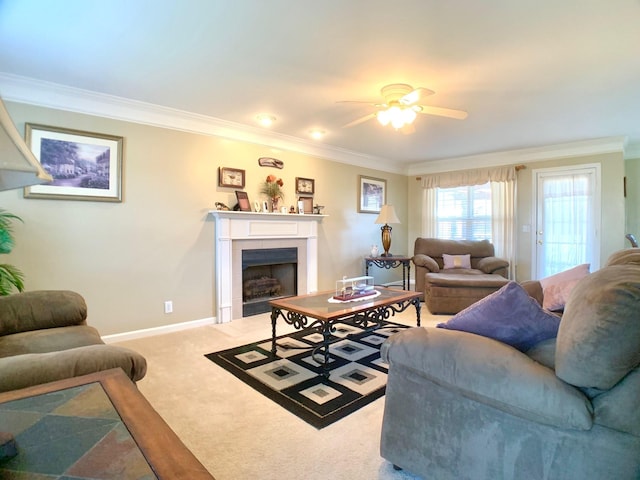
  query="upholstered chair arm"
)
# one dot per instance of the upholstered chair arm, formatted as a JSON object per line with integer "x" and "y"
{"x": 421, "y": 260}
{"x": 534, "y": 289}
{"x": 22, "y": 371}
{"x": 23, "y": 312}
{"x": 489, "y": 372}
{"x": 492, "y": 264}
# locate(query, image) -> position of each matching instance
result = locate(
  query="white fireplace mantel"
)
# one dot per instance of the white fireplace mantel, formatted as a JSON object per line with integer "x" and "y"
{"x": 261, "y": 230}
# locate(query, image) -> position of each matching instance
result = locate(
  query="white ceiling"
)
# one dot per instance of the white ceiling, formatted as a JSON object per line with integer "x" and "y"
{"x": 530, "y": 73}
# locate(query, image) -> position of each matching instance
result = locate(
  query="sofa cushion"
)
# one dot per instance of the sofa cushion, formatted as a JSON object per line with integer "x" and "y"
{"x": 21, "y": 371}
{"x": 509, "y": 315}
{"x": 599, "y": 337}
{"x": 557, "y": 288}
{"x": 456, "y": 261}
{"x": 49, "y": 340}
{"x": 625, "y": 257}
{"x": 22, "y": 312}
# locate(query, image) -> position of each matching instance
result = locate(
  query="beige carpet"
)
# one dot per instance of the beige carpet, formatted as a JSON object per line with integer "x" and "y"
{"x": 236, "y": 432}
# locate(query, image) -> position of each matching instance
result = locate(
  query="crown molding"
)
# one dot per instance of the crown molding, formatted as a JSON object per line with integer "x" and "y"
{"x": 60, "y": 97}
{"x": 525, "y": 155}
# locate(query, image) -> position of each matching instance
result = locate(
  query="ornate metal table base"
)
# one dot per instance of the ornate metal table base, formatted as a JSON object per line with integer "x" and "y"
{"x": 368, "y": 319}
{"x": 391, "y": 262}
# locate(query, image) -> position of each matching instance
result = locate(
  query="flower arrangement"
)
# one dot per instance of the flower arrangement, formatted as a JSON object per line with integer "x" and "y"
{"x": 272, "y": 188}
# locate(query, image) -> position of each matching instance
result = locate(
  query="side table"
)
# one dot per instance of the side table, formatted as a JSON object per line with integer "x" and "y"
{"x": 391, "y": 262}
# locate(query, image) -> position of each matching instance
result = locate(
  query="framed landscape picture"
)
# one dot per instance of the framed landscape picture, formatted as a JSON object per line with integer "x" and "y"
{"x": 84, "y": 165}
{"x": 372, "y": 194}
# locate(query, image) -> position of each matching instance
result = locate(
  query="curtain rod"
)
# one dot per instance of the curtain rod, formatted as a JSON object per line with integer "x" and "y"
{"x": 517, "y": 167}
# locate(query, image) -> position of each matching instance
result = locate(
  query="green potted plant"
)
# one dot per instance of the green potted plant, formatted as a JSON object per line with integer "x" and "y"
{"x": 10, "y": 276}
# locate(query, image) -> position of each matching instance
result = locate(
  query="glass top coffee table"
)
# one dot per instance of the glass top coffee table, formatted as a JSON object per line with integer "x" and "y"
{"x": 317, "y": 312}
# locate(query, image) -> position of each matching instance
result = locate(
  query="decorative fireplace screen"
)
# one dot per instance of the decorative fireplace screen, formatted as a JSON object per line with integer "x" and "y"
{"x": 267, "y": 273}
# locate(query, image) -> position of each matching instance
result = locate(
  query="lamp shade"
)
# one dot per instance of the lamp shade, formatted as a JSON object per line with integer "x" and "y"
{"x": 18, "y": 167}
{"x": 387, "y": 215}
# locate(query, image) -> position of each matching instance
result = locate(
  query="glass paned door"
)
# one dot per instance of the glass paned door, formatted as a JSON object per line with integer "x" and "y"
{"x": 566, "y": 220}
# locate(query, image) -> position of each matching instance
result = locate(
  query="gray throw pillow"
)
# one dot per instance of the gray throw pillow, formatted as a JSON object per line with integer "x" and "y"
{"x": 510, "y": 316}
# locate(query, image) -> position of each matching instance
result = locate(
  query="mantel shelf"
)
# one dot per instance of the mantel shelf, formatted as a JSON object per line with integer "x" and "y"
{"x": 266, "y": 216}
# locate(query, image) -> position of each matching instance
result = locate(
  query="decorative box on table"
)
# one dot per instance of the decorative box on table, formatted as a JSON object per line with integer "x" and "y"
{"x": 356, "y": 287}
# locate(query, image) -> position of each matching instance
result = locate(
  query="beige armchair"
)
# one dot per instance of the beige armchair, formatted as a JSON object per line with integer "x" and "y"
{"x": 449, "y": 290}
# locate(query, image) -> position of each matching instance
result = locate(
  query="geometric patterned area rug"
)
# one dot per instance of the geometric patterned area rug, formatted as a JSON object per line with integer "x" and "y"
{"x": 293, "y": 379}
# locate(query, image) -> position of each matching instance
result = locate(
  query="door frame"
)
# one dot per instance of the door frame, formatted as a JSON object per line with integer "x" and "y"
{"x": 597, "y": 210}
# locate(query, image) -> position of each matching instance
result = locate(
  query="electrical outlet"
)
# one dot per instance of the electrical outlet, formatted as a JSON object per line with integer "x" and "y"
{"x": 168, "y": 306}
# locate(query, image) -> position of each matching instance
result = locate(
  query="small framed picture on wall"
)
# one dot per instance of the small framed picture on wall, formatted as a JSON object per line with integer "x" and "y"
{"x": 305, "y": 185}
{"x": 372, "y": 194}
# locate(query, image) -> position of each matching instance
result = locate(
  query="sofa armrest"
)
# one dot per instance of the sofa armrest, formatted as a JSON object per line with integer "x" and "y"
{"x": 21, "y": 371}
{"x": 421, "y": 260}
{"x": 23, "y": 312}
{"x": 489, "y": 372}
{"x": 491, "y": 264}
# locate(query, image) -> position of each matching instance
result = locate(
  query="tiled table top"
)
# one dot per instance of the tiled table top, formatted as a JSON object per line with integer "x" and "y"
{"x": 72, "y": 433}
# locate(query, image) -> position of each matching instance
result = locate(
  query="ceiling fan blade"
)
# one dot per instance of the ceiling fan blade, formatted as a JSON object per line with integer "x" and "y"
{"x": 360, "y": 120}
{"x": 415, "y": 95}
{"x": 444, "y": 112}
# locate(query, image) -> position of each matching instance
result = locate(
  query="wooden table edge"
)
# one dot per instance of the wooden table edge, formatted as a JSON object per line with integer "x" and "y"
{"x": 166, "y": 454}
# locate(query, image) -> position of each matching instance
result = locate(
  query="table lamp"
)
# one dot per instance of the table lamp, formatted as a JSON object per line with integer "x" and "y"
{"x": 387, "y": 216}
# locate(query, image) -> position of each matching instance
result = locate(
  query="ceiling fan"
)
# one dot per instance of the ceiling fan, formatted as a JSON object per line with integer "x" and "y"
{"x": 401, "y": 106}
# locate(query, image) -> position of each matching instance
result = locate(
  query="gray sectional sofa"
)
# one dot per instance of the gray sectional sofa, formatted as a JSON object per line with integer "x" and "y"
{"x": 463, "y": 406}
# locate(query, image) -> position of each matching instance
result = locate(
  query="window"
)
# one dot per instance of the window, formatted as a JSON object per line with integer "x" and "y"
{"x": 464, "y": 213}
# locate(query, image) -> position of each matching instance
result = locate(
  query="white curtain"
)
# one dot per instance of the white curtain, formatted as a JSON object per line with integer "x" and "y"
{"x": 503, "y": 205}
{"x": 567, "y": 223}
{"x": 429, "y": 213}
{"x": 503, "y": 222}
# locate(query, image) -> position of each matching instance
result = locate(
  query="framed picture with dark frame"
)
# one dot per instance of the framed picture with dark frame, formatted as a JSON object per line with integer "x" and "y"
{"x": 231, "y": 177}
{"x": 307, "y": 203}
{"x": 243, "y": 201}
{"x": 372, "y": 194}
{"x": 84, "y": 165}
{"x": 305, "y": 185}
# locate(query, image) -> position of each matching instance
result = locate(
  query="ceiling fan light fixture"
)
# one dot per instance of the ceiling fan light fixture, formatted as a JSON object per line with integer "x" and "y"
{"x": 383, "y": 117}
{"x": 398, "y": 117}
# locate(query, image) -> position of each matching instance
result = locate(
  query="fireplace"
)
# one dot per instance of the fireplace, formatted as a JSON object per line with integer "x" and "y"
{"x": 237, "y": 232}
{"x": 267, "y": 273}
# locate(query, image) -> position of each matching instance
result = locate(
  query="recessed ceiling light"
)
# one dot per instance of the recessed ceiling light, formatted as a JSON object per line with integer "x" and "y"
{"x": 317, "y": 134}
{"x": 265, "y": 119}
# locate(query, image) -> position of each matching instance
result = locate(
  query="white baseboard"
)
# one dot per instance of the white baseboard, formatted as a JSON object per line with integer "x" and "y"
{"x": 150, "y": 332}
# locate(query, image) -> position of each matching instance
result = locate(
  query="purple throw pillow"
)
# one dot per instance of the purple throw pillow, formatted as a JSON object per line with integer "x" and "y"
{"x": 510, "y": 316}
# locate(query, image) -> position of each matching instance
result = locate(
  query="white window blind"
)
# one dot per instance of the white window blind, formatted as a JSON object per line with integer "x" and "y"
{"x": 464, "y": 213}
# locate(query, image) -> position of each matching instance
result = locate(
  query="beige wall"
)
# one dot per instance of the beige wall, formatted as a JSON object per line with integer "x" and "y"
{"x": 127, "y": 258}
{"x": 632, "y": 200}
{"x": 613, "y": 210}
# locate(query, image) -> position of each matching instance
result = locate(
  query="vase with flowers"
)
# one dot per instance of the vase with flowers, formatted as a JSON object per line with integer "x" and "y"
{"x": 272, "y": 188}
